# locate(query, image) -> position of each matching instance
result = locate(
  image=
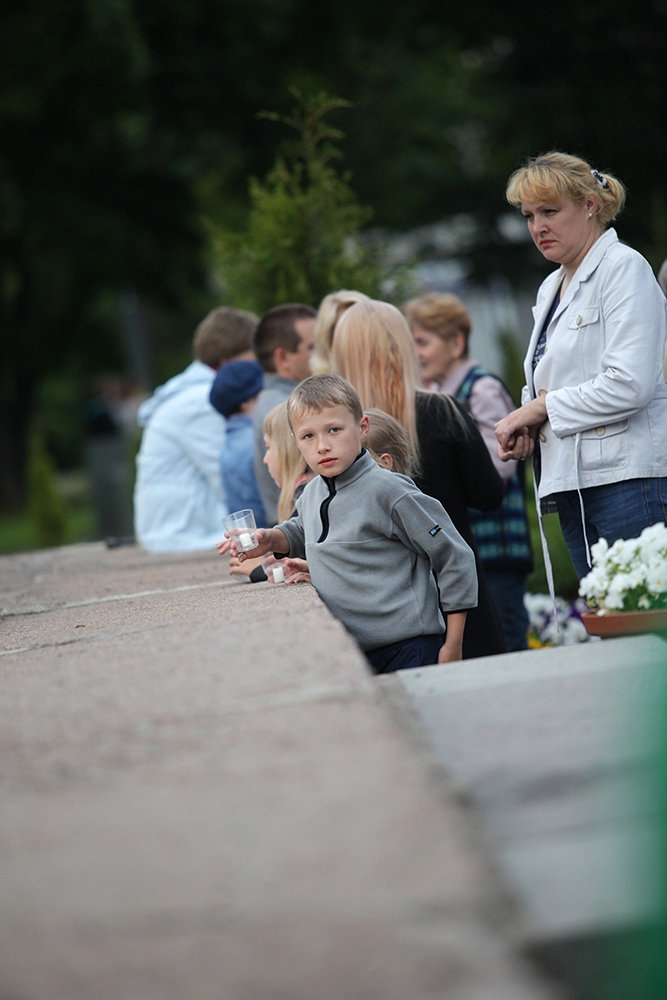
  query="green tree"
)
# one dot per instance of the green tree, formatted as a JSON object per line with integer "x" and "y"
{"x": 301, "y": 240}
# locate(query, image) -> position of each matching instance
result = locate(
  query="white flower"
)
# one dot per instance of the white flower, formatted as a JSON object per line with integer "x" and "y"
{"x": 653, "y": 542}
{"x": 574, "y": 630}
{"x": 656, "y": 578}
{"x": 628, "y": 551}
{"x": 630, "y": 566}
{"x": 594, "y": 584}
{"x": 636, "y": 577}
{"x": 537, "y": 605}
{"x": 617, "y": 589}
{"x": 598, "y": 550}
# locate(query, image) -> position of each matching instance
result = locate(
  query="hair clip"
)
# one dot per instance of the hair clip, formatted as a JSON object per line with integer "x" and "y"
{"x": 601, "y": 181}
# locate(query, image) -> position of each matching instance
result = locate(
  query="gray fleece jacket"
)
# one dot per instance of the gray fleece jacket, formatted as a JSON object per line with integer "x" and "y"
{"x": 371, "y": 537}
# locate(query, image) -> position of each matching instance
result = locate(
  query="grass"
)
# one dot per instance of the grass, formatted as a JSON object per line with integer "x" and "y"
{"x": 566, "y": 582}
{"x": 18, "y": 532}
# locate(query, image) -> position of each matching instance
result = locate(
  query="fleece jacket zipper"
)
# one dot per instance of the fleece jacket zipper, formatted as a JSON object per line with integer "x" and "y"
{"x": 324, "y": 507}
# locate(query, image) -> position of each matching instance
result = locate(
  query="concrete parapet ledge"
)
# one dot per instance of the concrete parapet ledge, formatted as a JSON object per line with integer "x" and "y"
{"x": 204, "y": 795}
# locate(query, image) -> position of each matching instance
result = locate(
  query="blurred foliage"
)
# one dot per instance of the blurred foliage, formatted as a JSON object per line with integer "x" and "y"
{"x": 46, "y": 508}
{"x": 513, "y": 374}
{"x": 566, "y": 581}
{"x": 123, "y": 124}
{"x": 300, "y": 242}
{"x": 18, "y": 532}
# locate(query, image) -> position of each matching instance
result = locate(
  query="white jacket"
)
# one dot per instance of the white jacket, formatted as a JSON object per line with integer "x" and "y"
{"x": 602, "y": 370}
{"x": 179, "y": 501}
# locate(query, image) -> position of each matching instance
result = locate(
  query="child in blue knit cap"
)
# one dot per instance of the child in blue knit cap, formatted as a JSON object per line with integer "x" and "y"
{"x": 233, "y": 394}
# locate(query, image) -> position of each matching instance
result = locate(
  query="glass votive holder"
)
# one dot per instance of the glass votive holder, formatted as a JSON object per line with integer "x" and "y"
{"x": 242, "y": 530}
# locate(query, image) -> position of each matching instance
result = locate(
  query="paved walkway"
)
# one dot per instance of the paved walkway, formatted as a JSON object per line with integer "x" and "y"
{"x": 562, "y": 753}
{"x": 205, "y": 795}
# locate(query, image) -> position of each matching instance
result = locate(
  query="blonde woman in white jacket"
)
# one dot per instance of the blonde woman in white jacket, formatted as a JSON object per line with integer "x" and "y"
{"x": 595, "y": 402}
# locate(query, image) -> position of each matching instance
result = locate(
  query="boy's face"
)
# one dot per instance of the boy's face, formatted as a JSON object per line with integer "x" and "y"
{"x": 331, "y": 440}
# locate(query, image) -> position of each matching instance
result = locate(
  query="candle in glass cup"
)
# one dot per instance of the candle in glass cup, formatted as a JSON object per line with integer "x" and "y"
{"x": 241, "y": 528}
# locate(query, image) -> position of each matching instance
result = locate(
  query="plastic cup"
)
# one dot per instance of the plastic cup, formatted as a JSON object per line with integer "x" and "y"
{"x": 277, "y": 570}
{"x": 242, "y": 530}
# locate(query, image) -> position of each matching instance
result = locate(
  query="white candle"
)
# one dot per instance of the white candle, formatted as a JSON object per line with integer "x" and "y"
{"x": 245, "y": 541}
{"x": 278, "y": 574}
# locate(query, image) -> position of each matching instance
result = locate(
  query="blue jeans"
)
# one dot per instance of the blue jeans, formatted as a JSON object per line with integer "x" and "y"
{"x": 418, "y": 652}
{"x": 616, "y": 510}
{"x": 507, "y": 589}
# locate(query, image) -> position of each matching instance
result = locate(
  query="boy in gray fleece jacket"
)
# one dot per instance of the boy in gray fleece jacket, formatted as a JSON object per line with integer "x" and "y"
{"x": 384, "y": 557}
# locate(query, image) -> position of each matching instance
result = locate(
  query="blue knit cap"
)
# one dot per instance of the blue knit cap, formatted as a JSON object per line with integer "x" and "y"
{"x": 236, "y": 382}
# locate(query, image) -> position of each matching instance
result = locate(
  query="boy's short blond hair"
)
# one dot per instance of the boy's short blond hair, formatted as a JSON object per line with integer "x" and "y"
{"x": 317, "y": 392}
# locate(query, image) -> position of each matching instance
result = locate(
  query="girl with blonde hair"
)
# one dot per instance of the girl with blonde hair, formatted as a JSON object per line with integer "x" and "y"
{"x": 594, "y": 407}
{"x": 388, "y": 443}
{"x": 283, "y": 459}
{"x": 373, "y": 349}
{"x": 290, "y": 472}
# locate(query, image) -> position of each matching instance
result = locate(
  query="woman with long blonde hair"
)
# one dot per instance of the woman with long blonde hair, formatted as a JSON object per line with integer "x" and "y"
{"x": 373, "y": 349}
{"x": 331, "y": 309}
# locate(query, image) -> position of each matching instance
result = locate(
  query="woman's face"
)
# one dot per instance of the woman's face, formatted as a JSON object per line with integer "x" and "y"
{"x": 271, "y": 462}
{"x": 438, "y": 357}
{"x": 563, "y": 231}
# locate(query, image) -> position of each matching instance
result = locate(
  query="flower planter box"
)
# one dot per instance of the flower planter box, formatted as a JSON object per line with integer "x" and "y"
{"x": 617, "y": 623}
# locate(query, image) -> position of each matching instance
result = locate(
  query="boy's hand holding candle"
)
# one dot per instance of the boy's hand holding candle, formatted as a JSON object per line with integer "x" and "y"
{"x": 268, "y": 540}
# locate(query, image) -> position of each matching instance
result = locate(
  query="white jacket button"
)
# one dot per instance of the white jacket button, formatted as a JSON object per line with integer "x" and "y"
{"x": 579, "y": 320}
{"x": 543, "y": 436}
{"x": 600, "y": 431}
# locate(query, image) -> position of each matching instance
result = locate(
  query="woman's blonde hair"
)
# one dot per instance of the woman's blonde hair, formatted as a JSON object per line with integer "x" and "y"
{"x": 387, "y": 437}
{"x": 291, "y": 462}
{"x": 442, "y": 314}
{"x": 555, "y": 175}
{"x": 374, "y": 350}
{"x": 331, "y": 309}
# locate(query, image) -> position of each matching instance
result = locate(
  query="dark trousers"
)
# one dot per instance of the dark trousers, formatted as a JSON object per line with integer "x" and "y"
{"x": 507, "y": 589}
{"x": 418, "y": 652}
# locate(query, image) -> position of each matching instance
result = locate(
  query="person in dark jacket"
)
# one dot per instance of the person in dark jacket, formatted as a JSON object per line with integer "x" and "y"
{"x": 441, "y": 330}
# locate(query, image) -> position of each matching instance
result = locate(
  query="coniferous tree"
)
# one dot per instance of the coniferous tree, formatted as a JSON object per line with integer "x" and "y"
{"x": 301, "y": 240}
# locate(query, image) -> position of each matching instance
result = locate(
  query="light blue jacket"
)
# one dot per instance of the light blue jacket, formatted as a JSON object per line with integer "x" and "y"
{"x": 179, "y": 501}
